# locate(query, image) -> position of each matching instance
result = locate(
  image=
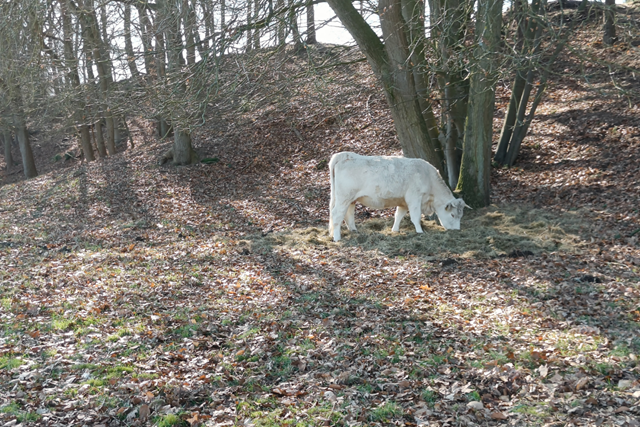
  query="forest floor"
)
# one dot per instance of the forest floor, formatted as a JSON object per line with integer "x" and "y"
{"x": 138, "y": 294}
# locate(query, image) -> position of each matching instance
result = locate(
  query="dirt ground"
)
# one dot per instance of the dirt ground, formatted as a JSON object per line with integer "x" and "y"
{"x": 138, "y": 294}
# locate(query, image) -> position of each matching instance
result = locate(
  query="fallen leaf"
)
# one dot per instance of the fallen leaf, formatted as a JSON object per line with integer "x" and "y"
{"x": 556, "y": 379}
{"x": 475, "y": 405}
{"x": 329, "y": 395}
{"x": 144, "y": 411}
{"x": 543, "y": 370}
{"x": 591, "y": 401}
{"x": 497, "y": 415}
{"x": 625, "y": 384}
{"x": 581, "y": 383}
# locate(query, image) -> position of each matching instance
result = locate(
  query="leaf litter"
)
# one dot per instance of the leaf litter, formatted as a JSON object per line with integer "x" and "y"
{"x": 211, "y": 295}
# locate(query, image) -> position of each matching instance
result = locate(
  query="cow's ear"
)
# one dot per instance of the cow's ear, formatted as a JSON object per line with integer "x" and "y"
{"x": 449, "y": 206}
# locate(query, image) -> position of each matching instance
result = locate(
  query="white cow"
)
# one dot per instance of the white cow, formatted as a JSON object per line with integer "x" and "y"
{"x": 379, "y": 182}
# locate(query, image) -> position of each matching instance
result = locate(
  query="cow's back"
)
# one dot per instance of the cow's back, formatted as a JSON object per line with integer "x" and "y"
{"x": 379, "y": 176}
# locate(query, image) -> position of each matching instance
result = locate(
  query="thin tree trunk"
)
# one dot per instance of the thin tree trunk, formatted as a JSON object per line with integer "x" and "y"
{"x": 256, "y": 30}
{"x": 103, "y": 65}
{"x": 128, "y": 46}
{"x": 510, "y": 118}
{"x": 164, "y": 128}
{"x": 223, "y": 12}
{"x": 207, "y": 22}
{"x": 280, "y": 27}
{"x": 102, "y": 150}
{"x": 116, "y": 129}
{"x": 88, "y": 55}
{"x": 188, "y": 23}
{"x": 8, "y": 157}
{"x": 71, "y": 63}
{"x": 126, "y": 126}
{"x": 514, "y": 148}
{"x": 475, "y": 170}
{"x": 529, "y": 38}
{"x": 609, "y": 37}
{"x": 85, "y": 142}
{"x": 22, "y": 135}
{"x": 249, "y": 32}
{"x": 311, "y": 23}
{"x": 521, "y": 131}
{"x": 145, "y": 31}
{"x": 161, "y": 49}
{"x": 160, "y": 61}
{"x": 516, "y": 125}
{"x": 413, "y": 13}
{"x": 293, "y": 24}
{"x": 183, "y": 153}
{"x": 103, "y": 20}
{"x": 449, "y": 18}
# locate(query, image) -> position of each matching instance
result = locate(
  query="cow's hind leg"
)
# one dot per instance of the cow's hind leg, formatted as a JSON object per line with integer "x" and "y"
{"x": 337, "y": 215}
{"x": 416, "y": 214}
{"x": 400, "y": 213}
{"x": 350, "y": 217}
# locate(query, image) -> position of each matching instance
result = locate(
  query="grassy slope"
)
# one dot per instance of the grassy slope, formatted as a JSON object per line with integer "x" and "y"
{"x": 138, "y": 294}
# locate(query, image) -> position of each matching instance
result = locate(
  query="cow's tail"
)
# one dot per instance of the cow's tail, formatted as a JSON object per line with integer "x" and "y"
{"x": 332, "y": 180}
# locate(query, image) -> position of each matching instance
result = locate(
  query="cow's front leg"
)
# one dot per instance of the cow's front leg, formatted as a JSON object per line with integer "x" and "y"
{"x": 350, "y": 217}
{"x": 400, "y": 213}
{"x": 416, "y": 214}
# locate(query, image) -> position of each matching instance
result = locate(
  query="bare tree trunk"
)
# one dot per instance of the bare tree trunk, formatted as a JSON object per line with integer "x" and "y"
{"x": 88, "y": 55}
{"x": 413, "y": 13}
{"x": 223, "y": 12}
{"x": 145, "y": 31}
{"x": 517, "y": 121}
{"x": 22, "y": 135}
{"x": 85, "y": 142}
{"x": 475, "y": 171}
{"x": 249, "y": 32}
{"x": 160, "y": 61}
{"x": 510, "y": 118}
{"x": 7, "y": 139}
{"x": 103, "y": 64}
{"x": 128, "y": 46}
{"x": 102, "y": 150}
{"x": 189, "y": 23}
{"x": 207, "y": 22}
{"x": 609, "y": 37}
{"x": 183, "y": 153}
{"x": 256, "y": 31}
{"x": 281, "y": 25}
{"x": 71, "y": 63}
{"x": 116, "y": 129}
{"x": 103, "y": 20}
{"x": 293, "y": 24}
{"x": 450, "y": 19}
{"x": 311, "y": 23}
{"x": 389, "y": 63}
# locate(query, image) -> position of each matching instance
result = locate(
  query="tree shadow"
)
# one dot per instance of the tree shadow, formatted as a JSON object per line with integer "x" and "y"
{"x": 358, "y": 322}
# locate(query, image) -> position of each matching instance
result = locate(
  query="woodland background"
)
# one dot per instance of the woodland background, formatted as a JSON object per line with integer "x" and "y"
{"x": 134, "y": 293}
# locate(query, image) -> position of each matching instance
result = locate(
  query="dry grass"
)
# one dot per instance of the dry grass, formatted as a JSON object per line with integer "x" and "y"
{"x": 486, "y": 233}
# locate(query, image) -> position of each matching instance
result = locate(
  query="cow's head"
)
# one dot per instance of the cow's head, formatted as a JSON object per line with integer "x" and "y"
{"x": 451, "y": 213}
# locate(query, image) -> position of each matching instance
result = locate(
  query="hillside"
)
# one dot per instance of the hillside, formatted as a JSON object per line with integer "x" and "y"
{"x": 138, "y": 294}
